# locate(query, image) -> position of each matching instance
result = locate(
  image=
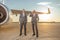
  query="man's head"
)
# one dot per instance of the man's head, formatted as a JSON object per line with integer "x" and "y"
{"x": 33, "y": 11}
{"x": 23, "y": 10}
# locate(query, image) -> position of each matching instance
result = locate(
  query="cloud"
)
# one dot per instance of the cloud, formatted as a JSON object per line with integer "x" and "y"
{"x": 43, "y": 3}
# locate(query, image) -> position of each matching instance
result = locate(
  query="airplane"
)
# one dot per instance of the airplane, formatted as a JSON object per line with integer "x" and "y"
{"x": 4, "y": 13}
{"x": 20, "y": 11}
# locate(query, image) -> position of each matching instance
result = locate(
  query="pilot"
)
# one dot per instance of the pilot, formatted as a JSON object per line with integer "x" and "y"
{"x": 34, "y": 22}
{"x": 23, "y": 21}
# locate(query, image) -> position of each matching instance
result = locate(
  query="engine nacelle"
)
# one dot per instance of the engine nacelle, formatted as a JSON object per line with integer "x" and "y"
{"x": 4, "y": 14}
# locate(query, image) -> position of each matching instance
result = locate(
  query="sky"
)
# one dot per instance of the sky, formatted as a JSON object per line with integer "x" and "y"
{"x": 38, "y": 5}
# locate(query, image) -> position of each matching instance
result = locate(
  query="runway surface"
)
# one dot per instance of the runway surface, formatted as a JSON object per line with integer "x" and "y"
{"x": 47, "y": 31}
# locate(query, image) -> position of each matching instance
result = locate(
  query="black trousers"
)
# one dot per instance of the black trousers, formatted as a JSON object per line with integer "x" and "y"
{"x": 34, "y": 28}
{"x": 21, "y": 27}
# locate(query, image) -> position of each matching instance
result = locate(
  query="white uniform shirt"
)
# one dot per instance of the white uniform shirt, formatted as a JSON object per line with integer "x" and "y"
{"x": 34, "y": 14}
{"x": 23, "y": 14}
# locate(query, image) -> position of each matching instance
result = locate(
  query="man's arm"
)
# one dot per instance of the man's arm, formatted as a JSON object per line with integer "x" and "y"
{"x": 37, "y": 18}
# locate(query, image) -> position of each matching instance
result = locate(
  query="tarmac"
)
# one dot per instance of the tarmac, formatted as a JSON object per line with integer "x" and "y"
{"x": 47, "y": 31}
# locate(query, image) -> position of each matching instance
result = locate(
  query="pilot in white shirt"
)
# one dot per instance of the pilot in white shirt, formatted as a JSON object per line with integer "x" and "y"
{"x": 34, "y": 14}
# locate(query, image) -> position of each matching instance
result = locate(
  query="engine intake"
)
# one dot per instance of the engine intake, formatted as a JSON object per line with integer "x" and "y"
{"x": 4, "y": 14}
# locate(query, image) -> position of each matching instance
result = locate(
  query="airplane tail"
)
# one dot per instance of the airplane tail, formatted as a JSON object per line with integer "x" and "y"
{"x": 49, "y": 11}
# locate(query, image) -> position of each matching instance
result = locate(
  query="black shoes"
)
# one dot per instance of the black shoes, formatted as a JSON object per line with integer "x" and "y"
{"x": 37, "y": 36}
{"x": 33, "y": 35}
{"x": 25, "y": 34}
{"x": 21, "y": 34}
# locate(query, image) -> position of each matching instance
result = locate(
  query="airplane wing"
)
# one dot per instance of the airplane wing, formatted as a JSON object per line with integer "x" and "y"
{"x": 43, "y": 12}
{"x": 20, "y": 11}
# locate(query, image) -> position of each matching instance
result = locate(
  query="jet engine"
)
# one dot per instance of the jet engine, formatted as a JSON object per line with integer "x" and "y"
{"x": 4, "y": 14}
